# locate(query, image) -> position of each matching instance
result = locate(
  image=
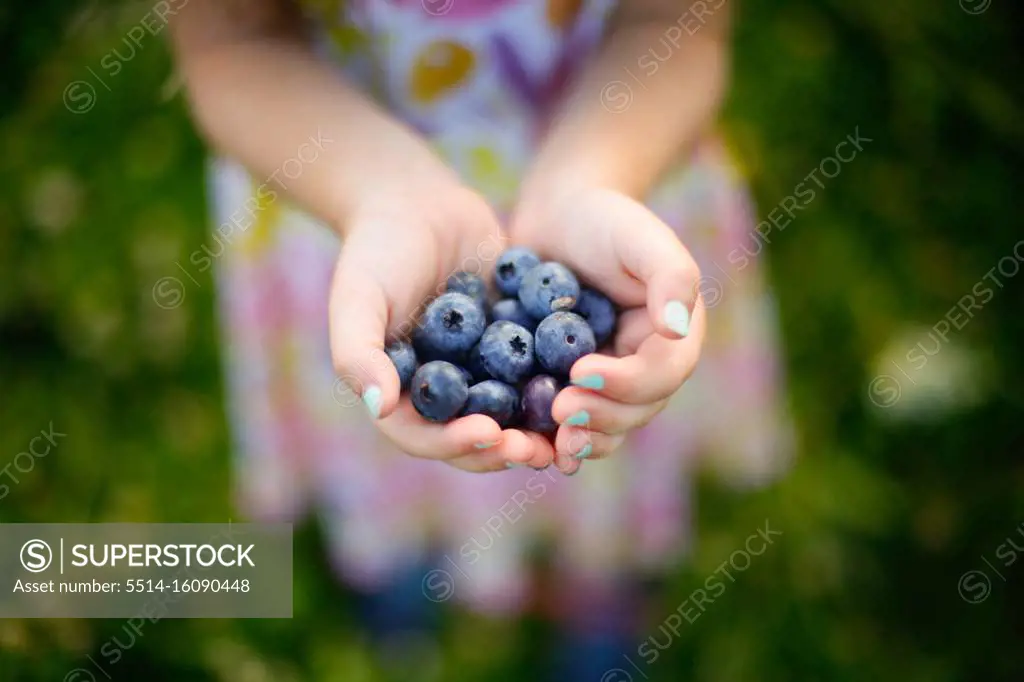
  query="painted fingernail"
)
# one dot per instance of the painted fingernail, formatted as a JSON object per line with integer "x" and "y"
{"x": 581, "y": 418}
{"x": 592, "y": 381}
{"x": 677, "y": 317}
{"x": 484, "y": 446}
{"x": 513, "y": 465}
{"x": 372, "y": 400}
{"x": 585, "y": 452}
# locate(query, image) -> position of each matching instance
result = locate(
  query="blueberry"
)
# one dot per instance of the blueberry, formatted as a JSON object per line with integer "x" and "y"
{"x": 538, "y": 395}
{"x": 404, "y": 358}
{"x": 426, "y": 352}
{"x": 562, "y": 339}
{"x": 548, "y": 287}
{"x": 511, "y": 266}
{"x": 506, "y": 351}
{"x": 452, "y": 324}
{"x": 598, "y": 311}
{"x": 512, "y": 310}
{"x": 469, "y": 284}
{"x": 475, "y": 365}
{"x": 497, "y": 400}
{"x": 439, "y": 390}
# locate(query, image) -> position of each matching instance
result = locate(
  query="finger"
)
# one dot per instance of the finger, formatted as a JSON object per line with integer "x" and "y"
{"x": 651, "y": 252}
{"x": 543, "y": 451}
{"x": 584, "y": 408}
{"x": 656, "y": 371}
{"x": 632, "y": 328}
{"x": 479, "y": 462}
{"x": 582, "y": 445}
{"x": 358, "y": 323}
{"x": 519, "y": 450}
{"x": 418, "y": 437}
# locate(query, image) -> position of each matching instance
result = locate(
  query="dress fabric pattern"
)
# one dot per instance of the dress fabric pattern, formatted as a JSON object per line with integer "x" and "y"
{"x": 478, "y": 78}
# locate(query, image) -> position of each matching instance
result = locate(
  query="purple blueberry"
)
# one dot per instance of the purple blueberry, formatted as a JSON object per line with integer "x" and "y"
{"x": 598, "y": 311}
{"x": 547, "y": 288}
{"x": 512, "y": 310}
{"x": 452, "y": 324}
{"x": 538, "y": 395}
{"x": 403, "y": 357}
{"x": 439, "y": 391}
{"x": 495, "y": 399}
{"x": 506, "y": 351}
{"x": 469, "y": 284}
{"x": 511, "y": 266}
{"x": 562, "y": 339}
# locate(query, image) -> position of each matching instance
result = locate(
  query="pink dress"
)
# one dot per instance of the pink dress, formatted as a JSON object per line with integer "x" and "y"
{"x": 477, "y": 77}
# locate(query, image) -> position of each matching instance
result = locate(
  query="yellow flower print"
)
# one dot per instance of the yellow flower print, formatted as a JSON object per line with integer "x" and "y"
{"x": 562, "y": 13}
{"x": 266, "y": 213}
{"x": 440, "y": 67}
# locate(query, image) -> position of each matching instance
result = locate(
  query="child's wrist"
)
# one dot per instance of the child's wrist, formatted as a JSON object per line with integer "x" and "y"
{"x": 387, "y": 188}
{"x": 540, "y": 215}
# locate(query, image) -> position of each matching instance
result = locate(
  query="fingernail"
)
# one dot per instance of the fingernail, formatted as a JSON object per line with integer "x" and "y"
{"x": 581, "y": 418}
{"x": 575, "y": 472}
{"x": 372, "y": 400}
{"x": 585, "y": 452}
{"x": 484, "y": 446}
{"x": 677, "y": 317}
{"x": 513, "y": 465}
{"x": 592, "y": 381}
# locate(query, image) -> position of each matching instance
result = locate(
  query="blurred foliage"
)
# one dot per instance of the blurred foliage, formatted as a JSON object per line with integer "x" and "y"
{"x": 881, "y": 514}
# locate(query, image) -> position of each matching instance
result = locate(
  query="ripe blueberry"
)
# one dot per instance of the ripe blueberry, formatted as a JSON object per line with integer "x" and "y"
{"x": 439, "y": 390}
{"x": 598, "y": 311}
{"x": 511, "y": 266}
{"x": 452, "y": 324}
{"x": 497, "y": 400}
{"x": 469, "y": 284}
{"x": 512, "y": 310}
{"x": 538, "y": 395}
{"x": 548, "y": 287}
{"x": 562, "y": 339}
{"x": 403, "y": 357}
{"x": 506, "y": 351}
{"x": 475, "y": 365}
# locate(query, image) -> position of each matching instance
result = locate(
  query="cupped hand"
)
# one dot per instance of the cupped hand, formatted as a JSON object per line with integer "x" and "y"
{"x": 398, "y": 252}
{"x": 620, "y": 247}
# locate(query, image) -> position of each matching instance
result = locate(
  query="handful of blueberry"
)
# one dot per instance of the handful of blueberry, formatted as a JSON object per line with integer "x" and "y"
{"x": 507, "y": 359}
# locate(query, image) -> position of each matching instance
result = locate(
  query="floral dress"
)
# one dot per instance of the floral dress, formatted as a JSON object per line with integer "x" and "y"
{"x": 478, "y": 79}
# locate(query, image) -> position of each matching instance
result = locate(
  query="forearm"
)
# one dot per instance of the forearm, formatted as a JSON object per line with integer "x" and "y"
{"x": 630, "y": 115}
{"x": 263, "y": 98}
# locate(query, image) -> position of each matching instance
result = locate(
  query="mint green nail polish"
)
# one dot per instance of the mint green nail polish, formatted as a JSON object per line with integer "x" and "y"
{"x": 677, "y": 317}
{"x": 581, "y": 418}
{"x": 484, "y": 446}
{"x": 513, "y": 465}
{"x": 585, "y": 452}
{"x": 592, "y": 381}
{"x": 373, "y": 401}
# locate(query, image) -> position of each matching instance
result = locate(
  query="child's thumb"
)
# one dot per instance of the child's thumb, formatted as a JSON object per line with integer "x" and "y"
{"x": 652, "y": 253}
{"x": 358, "y": 325}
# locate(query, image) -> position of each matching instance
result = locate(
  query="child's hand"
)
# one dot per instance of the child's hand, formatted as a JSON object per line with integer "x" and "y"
{"x": 396, "y": 253}
{"x": 616, "y": 244}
